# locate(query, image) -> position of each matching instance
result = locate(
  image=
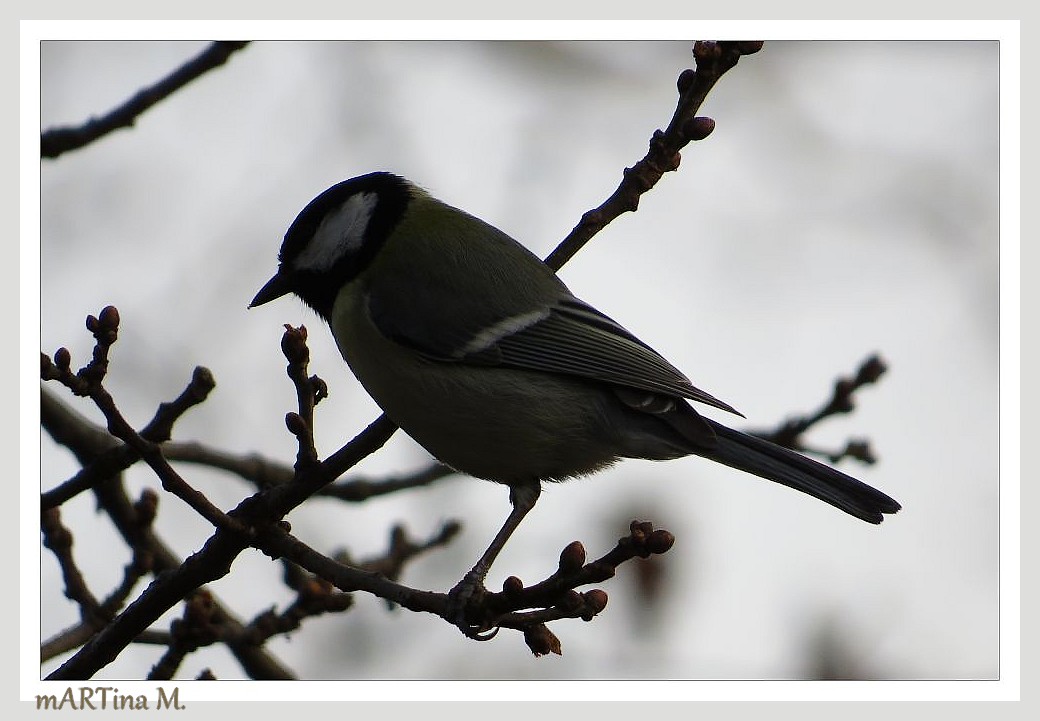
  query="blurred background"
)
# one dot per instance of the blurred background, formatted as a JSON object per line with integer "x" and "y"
{"x": 846, "y": 204}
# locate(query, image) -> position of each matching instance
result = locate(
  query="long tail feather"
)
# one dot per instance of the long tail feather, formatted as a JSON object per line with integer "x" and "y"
{"x": 768, "y": 460}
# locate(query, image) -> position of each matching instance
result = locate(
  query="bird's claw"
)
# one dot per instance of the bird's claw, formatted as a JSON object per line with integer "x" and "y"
{"x": 470, "y": 588}
{"x": 477, "y": 633}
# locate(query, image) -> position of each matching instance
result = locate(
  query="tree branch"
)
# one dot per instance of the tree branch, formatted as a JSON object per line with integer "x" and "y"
{"x": 88, "y": 382}
{"x": 94, "y": 614}
{"x": 121, "y": 457}
{"x": 842, "y": 400}
{"x": 60, "y": 140}
{"x": 713, "y": 59}
{"x": 213, "y": 560}
{"x": 87, "y": 441}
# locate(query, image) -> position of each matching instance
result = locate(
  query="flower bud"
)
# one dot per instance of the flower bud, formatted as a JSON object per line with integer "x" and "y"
{"x": 62, "y": 358}
{"x": 541, "y": 640}
{"x": 698, "y": 128}
{"x": 685, "y": 80}
{"x": 573, "y": 557}
{"x": 108, "y": 319}
{"x": 512, "y": 586}
{"x": 660, "y": 541}
{"x": 595, "y": 601}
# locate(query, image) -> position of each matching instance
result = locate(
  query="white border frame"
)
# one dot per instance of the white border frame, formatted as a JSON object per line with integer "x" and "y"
{"x": 191, "y": 692}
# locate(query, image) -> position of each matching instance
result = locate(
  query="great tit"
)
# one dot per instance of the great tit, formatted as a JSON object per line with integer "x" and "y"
{"x": 479, "y": 352}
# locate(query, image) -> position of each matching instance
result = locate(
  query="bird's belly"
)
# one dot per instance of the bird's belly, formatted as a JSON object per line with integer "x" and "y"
{"x": 501, "y": 424}
{"x": 506, "y": 427}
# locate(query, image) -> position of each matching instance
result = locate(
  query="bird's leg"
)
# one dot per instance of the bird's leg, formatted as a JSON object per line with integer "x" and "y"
{"x": 523, "y": 497}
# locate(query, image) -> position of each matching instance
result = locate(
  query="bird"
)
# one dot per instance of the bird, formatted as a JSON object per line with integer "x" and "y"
{"x": 477, "y": 350}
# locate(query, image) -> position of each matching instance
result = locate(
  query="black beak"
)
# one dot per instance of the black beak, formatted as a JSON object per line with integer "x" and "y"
{"x": 278, "y": 286}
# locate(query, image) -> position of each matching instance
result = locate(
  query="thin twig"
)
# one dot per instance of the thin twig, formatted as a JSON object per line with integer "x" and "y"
{"x": 199, "y": 626}
{"x": 214, "y": 559}
{"x": 361, "y": 489}
{"x": 94, "y": 614}
{"x": 87, "y": 441}
{"x": 309, "y": 391}
{"x": 842, "y": 401}
{"x": 123, "y": 456}
{"x": 403, "y": 549}
{"x": 88, "y": 381}
{"x": 60, "y": 140}
{"x": 713, "y": 59}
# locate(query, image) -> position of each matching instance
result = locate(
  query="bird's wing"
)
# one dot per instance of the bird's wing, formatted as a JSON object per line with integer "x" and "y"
{"x": 569, "y": 337}
{"x": 576, "y": 339}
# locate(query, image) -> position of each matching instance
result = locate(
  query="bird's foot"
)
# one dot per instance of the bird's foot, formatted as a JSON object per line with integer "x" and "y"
{"x": 469, "y": 590}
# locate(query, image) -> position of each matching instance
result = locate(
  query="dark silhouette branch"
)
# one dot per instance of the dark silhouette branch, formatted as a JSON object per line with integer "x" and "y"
{"x": 713, "y": 59}
{"x": 94, "y": 614}
{"x": 403, "y": 549}
{"x": 57, "y": 141}
{"x": 88, "y": 381}
{"x": 201, "y": 626}
{"x": 214, "y": 559}
{"x": 264, "y": 472}
{"x": 357, "y": 490}
{"x": 261, "y": 472}
{"x": 121, "y": 457}
{"x": 87, "y": 441}
{"x": 842, "y": 401}
{"x": 252, "y": 467}
{"x": 554, "y": 598}
{"x": 310, "y": 390}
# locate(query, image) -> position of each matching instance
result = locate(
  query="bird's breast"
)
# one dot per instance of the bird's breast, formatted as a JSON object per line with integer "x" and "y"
{"x": 501, "y": 424}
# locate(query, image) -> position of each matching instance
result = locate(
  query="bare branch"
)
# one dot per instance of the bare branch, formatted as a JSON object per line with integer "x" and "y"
{"x": 88, "y": 382}
{"x": 713, "y": 59}
{"x": 309, "y": 392}
{"x": 361, "y": 489}
{"x": 198, "y": 627}
{"x": 403, "y": 549}
{"x": 261, "y": 472}
{"x": 252, "y": 467}
{"x": 58, "y": 539}
{"x": 87, "y": 441}
{"x": 842, "y": 400}
{"x": 94, "y": 614}
{"x": 60, "y": 140}
{"x": 315, "y": 597}
{"x": 259, "y": 513}
{"x": 121, "y": 457}
{"x": 554, "y": 598}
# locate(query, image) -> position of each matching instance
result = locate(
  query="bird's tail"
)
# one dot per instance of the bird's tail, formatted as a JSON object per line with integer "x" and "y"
{"x": 768, "y": 460}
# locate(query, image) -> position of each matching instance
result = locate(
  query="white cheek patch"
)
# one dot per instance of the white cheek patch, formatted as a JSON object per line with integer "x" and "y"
{"x": 341, "y": 232}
